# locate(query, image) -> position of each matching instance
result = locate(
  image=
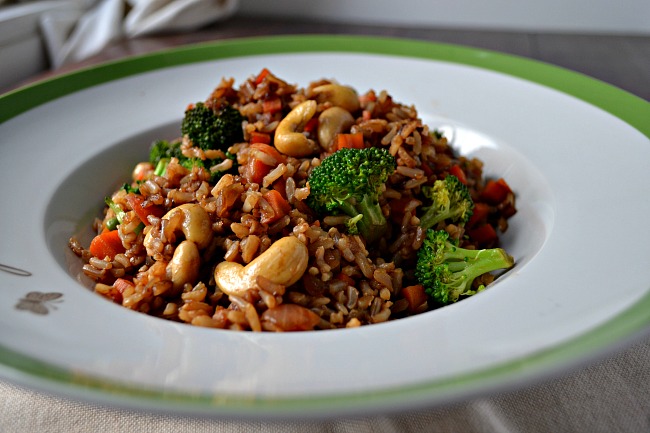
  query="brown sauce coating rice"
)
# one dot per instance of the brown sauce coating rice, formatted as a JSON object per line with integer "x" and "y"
{"x": 346, "y": 283}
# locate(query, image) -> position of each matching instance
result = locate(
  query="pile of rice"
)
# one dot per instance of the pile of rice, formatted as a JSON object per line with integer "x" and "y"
{"x": 347, "y": 283}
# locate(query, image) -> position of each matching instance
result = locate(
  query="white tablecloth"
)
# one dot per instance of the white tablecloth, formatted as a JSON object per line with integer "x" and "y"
{"x": 612, "y": 395}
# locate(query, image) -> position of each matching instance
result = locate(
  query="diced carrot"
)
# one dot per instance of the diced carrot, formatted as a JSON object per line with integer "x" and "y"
{"x": 415, "y": 295}
{"x": 479, "y": 214}
{"x": 270, "y": 150}
{"x": 260, "y": 77}
{"x": 457, "y": 171}
{"x": 311, "y": 125}
{"x": 495, "y": 191}
{"x": 280, "y": 186}
{"x": 279, "y": 204}
{"x": 350, "y": 141}
{"x": 122, "y": 284}
{"x": 106, "y": 244}
{"x": 483, "y": 234}
{"x": 117, "y": 291}
{"x": 260, "y": 137}
{"x": 272, "y": 105}
{"x": 346, "y": 279}
{"x": 255, "y": 170}
{"x": 136, "y": 202}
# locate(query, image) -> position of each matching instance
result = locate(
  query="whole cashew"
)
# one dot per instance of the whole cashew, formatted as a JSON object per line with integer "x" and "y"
{"x": 284, "y": 262}
{"x": 289, "y": 138}
{"x": 338, "y": 95}
{"x": 192, "y": 220}
{"x": 184, "y": 265}
{"x": 332, "y": 121}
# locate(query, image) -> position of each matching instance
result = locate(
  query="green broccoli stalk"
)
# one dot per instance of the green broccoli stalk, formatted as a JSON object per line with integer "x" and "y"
{"x": 350, "y": 182}
{"x": 120, "y": 214}
{"x": 208, "y": 129}
{"x": 450, "y": 200}
{"x": 162, "y": 151}
{"x": 447, "y": 271}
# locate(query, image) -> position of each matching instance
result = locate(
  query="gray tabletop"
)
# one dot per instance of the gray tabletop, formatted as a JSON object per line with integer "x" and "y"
{"x": 606, "y": 395}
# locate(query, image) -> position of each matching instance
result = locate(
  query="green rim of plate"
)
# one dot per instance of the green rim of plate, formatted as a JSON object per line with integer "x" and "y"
{"x": 619, "y": 331}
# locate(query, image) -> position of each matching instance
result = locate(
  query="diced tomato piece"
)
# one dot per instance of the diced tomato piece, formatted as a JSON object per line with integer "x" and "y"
{"x": 495, "y": 191}
{"x": 457, "y": 171}
{"x": 136, "y": 202}
{"x": 479, "y": 214}
{"x": 483, "y": 234}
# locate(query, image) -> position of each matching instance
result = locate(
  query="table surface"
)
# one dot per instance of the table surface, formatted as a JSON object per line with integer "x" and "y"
{"x": 610, "y": 395}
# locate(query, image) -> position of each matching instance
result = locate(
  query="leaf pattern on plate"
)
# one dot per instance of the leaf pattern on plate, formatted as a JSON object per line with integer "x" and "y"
{"x": 15, "y": 271}
{"x": 39, "y": 302}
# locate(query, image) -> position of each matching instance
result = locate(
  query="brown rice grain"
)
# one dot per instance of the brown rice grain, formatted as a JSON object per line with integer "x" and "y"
{"x": 232, "y": 253}
{"x": 382, "y": 277}
{"x": 253, "y": 318}
{"x": 353, "y": 297}
{"x": 381, "y": 316}
{"x": 353, "y": 323}
{"x": 274, "y": 175}
{"x": 364, "y": 264}
{"x": 249, "y": 247}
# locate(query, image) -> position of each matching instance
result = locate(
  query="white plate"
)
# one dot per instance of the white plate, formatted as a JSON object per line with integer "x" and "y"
{"x": 574, "y": 150}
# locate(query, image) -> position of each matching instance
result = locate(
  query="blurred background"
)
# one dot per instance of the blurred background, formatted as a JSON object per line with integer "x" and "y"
{"x": 38, "y": 36}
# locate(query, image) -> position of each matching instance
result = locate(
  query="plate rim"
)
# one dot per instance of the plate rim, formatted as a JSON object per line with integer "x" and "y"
{"x": 621, "y": 330}
{"x": 618, "y": 102}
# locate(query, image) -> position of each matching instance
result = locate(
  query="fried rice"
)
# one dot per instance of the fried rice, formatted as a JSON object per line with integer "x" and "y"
{"x": 345, "y": 282}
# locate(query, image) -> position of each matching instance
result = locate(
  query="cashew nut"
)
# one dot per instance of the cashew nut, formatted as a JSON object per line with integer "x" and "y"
{"x": 332, "y": 121}
{"x": 283, "y": 263}
{"x": 191, "y": 219}
{"x": 184, "y": 265}
{"x": 338, "y": 95}
{"x": 289, "y": 138}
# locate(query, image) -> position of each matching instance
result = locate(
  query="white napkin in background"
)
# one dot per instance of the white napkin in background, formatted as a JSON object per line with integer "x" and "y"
{"x": 152, "y": 16}
{"x": 74, "y": 33}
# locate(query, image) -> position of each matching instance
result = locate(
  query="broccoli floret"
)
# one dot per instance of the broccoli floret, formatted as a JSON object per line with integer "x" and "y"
{"x": 447, "y": 271}
{"x": 450, "y": 200}
{"x": 208, "y": 129}
{"x": 163, "y": 149}
{"x": 350, "y": 181}
{"x": 130, "y": 188}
